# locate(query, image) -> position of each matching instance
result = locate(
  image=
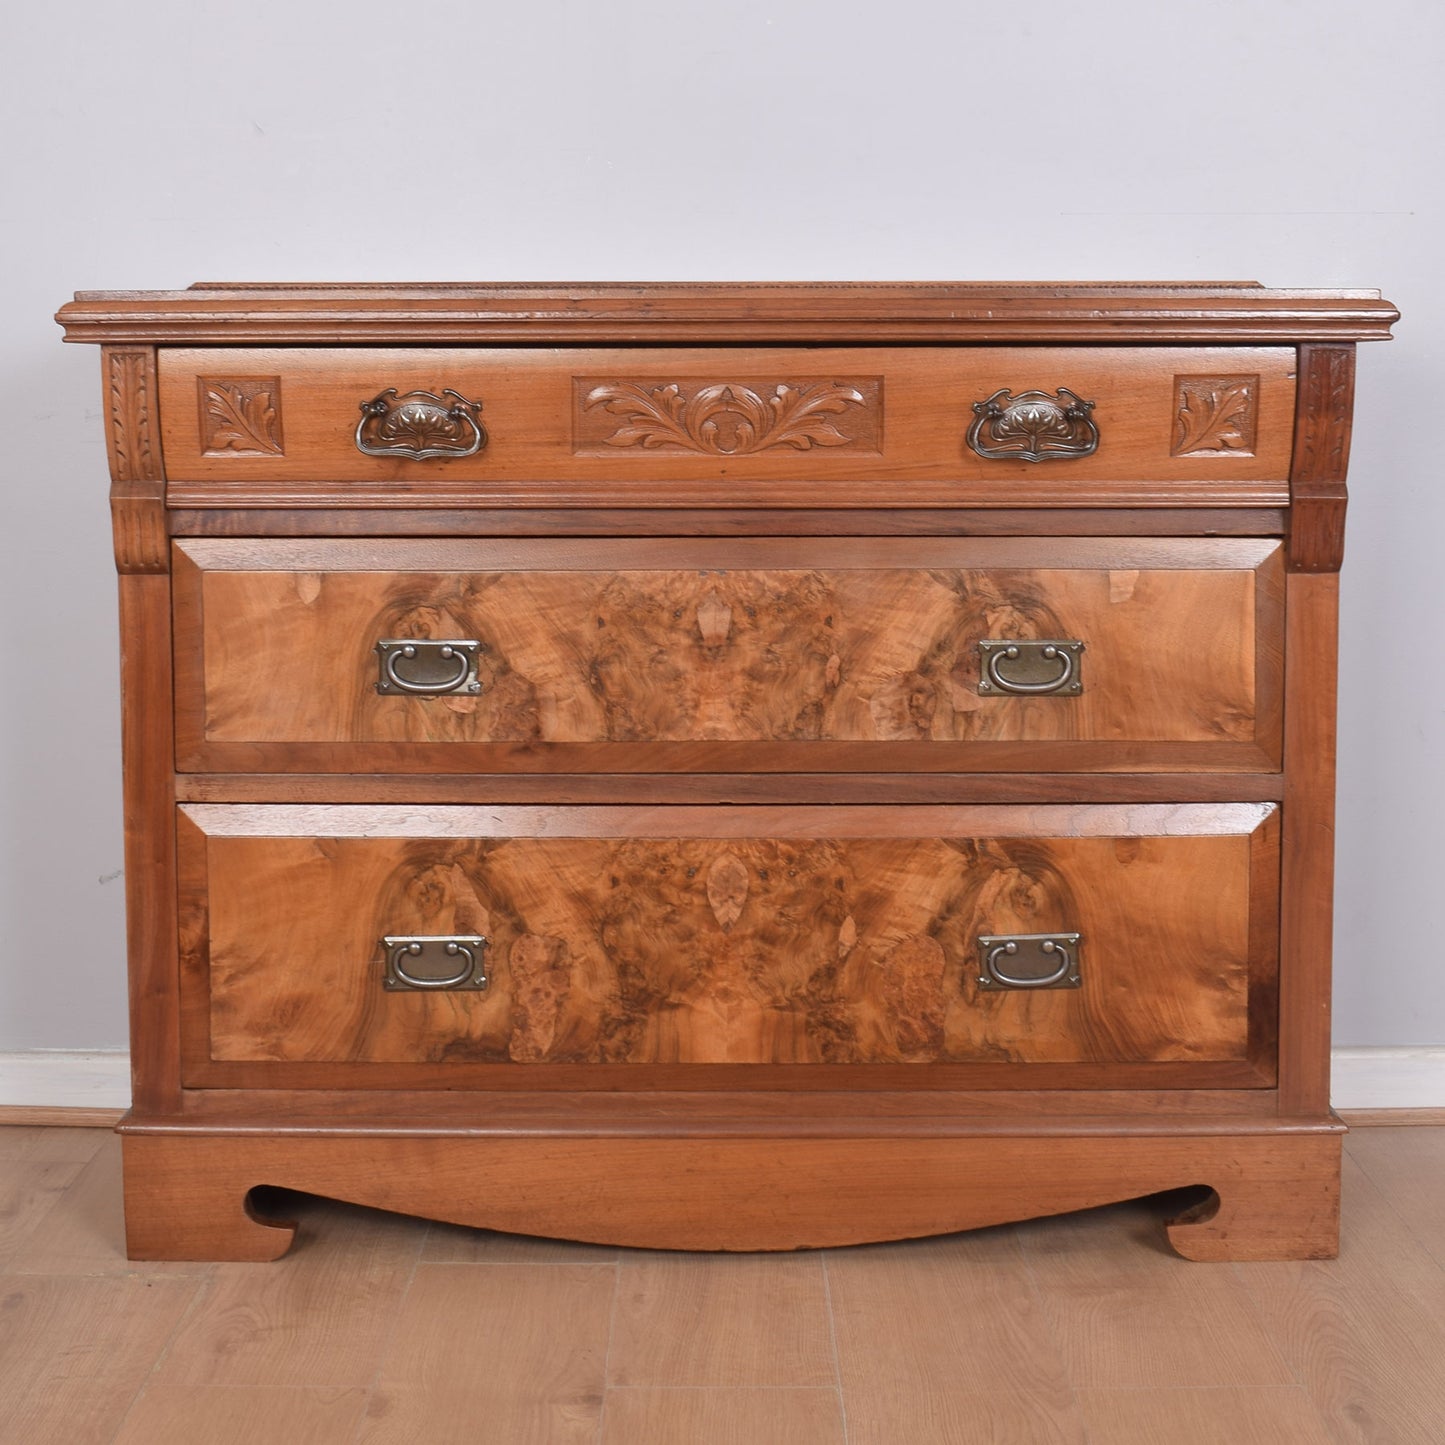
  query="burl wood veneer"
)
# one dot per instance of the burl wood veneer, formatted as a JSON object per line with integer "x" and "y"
{"x": 729, "y": 767}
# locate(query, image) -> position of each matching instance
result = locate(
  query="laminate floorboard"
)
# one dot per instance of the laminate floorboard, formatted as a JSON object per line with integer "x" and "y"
{"x": 381, "y": 1330}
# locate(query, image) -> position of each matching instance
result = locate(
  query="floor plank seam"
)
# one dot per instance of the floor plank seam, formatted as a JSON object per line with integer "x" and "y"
{"x": 1252, "y": 1300}
{"x": 607, "y": 1353}
{"x": 833, "y": 1341}
{"x": 1037, "y": 1297}
{"x": 1425, "y": 1244}
{"x": 722, "y": 1389}
{"x": 384, "y": 1352}
{"x": 202, "y": 1285}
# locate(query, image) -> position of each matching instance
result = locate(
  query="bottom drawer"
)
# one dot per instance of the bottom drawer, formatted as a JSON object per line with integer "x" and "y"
{"x": 624, "y": 947}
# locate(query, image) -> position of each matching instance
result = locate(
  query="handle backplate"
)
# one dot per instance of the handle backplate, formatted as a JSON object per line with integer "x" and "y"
{"x": 435, "y": 962}
{"x": 1033, "y": 426}
{"x": 1029, "y": 960}
{"x": 427, "y": 667}
{"x": 419, "y": 425}
{"x": 1030, "y": 667}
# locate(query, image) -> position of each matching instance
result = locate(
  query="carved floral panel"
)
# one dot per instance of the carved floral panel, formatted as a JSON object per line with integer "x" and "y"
{"x": 240, "y": 416}
{"x": 728, "y": 417}
{"x": 1215, "y": 416}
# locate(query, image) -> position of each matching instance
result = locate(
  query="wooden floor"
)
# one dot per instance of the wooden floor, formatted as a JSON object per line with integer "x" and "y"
{"x": 380, "y": 1330}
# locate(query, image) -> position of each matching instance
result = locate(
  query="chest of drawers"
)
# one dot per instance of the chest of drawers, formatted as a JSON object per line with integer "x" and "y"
{"x": 738, "y": 767}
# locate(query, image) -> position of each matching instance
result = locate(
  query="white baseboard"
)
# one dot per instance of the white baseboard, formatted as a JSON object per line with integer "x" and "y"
{"x": 60, "y": 1079}
{"x": 1392, "y": 1078}
{"x": 1396, "y": 1078}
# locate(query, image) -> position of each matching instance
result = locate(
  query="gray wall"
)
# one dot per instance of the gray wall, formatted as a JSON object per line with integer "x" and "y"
{"x": 153, "y": 144}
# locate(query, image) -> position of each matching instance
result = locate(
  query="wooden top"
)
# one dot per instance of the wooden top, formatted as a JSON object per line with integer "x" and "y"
{"x": 243, "y": 314}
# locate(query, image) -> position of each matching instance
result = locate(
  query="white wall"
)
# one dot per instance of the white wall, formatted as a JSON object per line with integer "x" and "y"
{"x": 153, "y": 144}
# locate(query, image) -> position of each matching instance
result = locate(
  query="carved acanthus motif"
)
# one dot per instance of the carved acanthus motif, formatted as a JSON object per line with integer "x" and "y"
{"x": 137, "y": 491}
{"x": 1216, "y": 416}
{"x": 729, "y": 418}
{"x": 133, "y": 452}
{"x": 241, "y": 416}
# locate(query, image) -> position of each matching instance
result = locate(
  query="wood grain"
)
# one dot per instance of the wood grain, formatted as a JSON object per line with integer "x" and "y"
{"x": 1243, "y": 1415}
{"x": 1145, "y": 1320}
{"x": 323, "y": 1320}
{"x": 799, "y": 788}
{"x": 896, "y": 1106}
{"x": 147, "y": 745}
{"x": 543, "y": 443}
{"x": 1308, "y": 860}
{"x": 1323, "y": 424}
{"x": 538, "y": 1336}
{"x": 133, "y": 444}
{"x": 340, "y": 520}
{"x": 765, "y": 495}
{"x": 240, "y": 1415}
{"x": 66, "y": 1373}
{"x": 1363, "y": 1335}
{"x": 741, "y": 1415}
{"x": 590, "y": 642}
{"x": 763, "y": 949}
{"x": 733, "y": 1193}
{"x": 964, "y": 1351}
{"x": 743, "y": 1321}
{"x": 229, "y": 314}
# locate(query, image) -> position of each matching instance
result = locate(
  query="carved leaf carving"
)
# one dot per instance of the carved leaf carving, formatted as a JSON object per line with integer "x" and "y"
{"x": 1216, "y": 414}
{"x": 241, "y": 416}
{"x": 727, "y": 889}
{"x": 726, "y": 419}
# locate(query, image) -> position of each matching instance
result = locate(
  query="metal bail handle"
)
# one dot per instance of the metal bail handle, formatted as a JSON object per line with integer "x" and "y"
{"x": 419, "y": 425}
{"x": 431, "y": 962}
{"x": 1031, "y": 667}
{"x": 1033, "y": 426}
{"x": 426, "y": 667}
{"x": 1029, "y": 960}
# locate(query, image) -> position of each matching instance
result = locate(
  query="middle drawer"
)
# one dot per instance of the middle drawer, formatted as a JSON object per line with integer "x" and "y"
{"x": 729, "y": 655}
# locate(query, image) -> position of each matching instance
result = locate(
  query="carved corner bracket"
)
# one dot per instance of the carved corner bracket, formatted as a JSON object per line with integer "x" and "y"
{"x": 1318, "y": 497}
{"x": 137, "y": 490}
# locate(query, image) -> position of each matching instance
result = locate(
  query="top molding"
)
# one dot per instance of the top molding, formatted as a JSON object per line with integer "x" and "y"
{"x": 1240, "y": 312}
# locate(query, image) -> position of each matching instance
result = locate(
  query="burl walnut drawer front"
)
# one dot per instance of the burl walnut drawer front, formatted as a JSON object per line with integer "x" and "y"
{"x": 721, "y": 655}
{"x": 984, "y": 945}
{"x": 1003, "y": 426}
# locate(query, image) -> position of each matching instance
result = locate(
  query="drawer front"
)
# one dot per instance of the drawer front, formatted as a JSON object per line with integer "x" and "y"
{"x": 631, "y": 947}
{"x": 729, "y": 655}
{"x": 726, "y": 428}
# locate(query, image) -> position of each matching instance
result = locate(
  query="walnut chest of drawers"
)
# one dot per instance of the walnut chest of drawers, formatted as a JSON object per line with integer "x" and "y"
{"x": 736, "y": 767}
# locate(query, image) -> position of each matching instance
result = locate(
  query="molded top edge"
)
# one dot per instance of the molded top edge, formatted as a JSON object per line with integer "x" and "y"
{"x": 320, "y": 313}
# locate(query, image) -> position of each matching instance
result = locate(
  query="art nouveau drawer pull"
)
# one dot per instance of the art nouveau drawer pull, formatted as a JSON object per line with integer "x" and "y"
{"x": 1032, "y": 667}
{"x": 420, "y": 424}
{"x": 424, "y": 962}
{"x": 1033, "y": 426}
{"x": 427, "y": 668}
{"x": 1029, "y": 960}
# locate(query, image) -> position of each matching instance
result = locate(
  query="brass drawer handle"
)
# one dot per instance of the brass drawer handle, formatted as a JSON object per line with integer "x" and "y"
{"x": 426, "y": 668}
{"x": 420, "y": 424}
{"x": 1031, "y": 667}
{"x": 448, "y": 961}
{"x": 1033, "y": 426}
{"x": 1029, "y": 960}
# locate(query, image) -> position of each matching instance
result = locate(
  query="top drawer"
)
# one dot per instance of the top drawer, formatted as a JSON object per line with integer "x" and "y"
{"x": 717, "y": 427}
